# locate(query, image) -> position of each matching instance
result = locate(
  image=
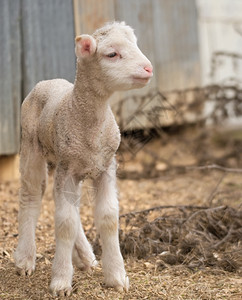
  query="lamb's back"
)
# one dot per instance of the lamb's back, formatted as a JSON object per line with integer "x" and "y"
{"x": 41, "y": 104}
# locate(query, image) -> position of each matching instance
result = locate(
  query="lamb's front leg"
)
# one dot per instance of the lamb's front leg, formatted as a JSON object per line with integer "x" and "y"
{"x": 67, "y": 222}
{"x": 106, "y": 219}
{"x": 33, "y": 181}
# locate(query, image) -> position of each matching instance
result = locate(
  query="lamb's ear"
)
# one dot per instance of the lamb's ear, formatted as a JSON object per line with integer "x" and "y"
{"x": 85, "y": 46}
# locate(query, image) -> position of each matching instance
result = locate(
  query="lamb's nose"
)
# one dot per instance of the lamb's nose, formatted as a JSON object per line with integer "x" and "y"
{"x": 149, "y": 69}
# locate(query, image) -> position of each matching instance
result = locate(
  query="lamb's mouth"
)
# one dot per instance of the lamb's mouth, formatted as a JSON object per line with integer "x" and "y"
{"x": 143, "y": 80}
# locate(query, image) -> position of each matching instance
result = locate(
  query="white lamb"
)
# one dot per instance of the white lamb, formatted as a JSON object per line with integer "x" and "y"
{"x": 71, "y": 129}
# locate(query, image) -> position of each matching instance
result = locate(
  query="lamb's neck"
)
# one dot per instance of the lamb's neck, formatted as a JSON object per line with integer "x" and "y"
{"x": 89, "y": 89}
{"x": 89, "y": 101}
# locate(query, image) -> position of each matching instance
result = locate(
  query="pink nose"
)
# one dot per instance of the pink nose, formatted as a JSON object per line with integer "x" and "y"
{"x": 148, "y": 70}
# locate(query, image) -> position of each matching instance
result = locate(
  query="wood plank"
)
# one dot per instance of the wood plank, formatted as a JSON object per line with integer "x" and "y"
{"x": 92, "y": 14}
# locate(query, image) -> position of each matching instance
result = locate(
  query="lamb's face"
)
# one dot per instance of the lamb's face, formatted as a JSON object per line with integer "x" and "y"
{"x": 121, "y": 63}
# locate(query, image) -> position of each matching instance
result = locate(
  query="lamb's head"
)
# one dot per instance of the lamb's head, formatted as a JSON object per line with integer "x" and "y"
{"x": 112, "y": 50}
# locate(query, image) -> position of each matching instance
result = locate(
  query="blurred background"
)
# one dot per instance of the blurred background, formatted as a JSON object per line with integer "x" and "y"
{"x": 194, "y": 46}
{"x": 179, "y": 162}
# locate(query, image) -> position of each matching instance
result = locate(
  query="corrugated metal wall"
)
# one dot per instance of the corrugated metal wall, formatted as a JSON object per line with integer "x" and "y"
{"x": 44, "y": 30}
{"x": 48, "y": 41}
{"x": 176, "y": 44}
{"x": 10, "y": 76}
{"x": 36, "y": 43}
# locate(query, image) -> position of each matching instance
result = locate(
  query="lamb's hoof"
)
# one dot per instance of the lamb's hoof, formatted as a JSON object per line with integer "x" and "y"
{"x": 24, "y": 272}
{"x": 62, "y": 293}
{"x": 88, "y": 268}
{"x": 60, "y": 288}
{"x": 120, "y": 285}
{"x": 84, "y": 263}
{"x": 25, "y": 264}
{"x": 125, "y": 287}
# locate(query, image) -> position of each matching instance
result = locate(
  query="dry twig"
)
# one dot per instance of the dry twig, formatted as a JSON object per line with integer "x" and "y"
{"x": 215, "y": 167}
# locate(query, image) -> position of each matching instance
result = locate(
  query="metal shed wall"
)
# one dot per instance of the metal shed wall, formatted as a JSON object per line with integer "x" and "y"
{"x": 48, "y": 41}
{"x": 36, "y": 43}
{"x": 10, "y": 76}
{"x": 176, "y": 44}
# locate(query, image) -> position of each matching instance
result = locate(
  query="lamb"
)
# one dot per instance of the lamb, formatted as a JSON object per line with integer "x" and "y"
{"x": 71, "y": 129}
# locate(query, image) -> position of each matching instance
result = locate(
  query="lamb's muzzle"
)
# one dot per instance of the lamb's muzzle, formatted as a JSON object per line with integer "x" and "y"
{"x": 72, "y": 129}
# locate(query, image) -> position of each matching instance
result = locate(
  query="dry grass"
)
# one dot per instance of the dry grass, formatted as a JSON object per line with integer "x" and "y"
{"x": 147, "y": 279}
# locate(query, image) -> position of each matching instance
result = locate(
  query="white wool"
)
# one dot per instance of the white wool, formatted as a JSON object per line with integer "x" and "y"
{"x": 71, "y": 129}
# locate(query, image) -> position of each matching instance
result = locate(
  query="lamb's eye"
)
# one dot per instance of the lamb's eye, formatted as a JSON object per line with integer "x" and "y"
{"x": 113, "y": 54}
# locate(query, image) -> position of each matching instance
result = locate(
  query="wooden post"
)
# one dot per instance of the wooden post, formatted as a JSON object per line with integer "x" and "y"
{"x": 9, "y": 167}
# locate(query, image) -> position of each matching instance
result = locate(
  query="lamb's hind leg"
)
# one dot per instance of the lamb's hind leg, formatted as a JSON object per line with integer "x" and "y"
{"x": 83, "y": 256}
{"x": 33, "y": 182}
{"x": 106, "y": 220}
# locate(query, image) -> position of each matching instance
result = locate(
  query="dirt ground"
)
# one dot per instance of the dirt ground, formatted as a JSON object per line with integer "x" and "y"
{"x": 162, "y": 173}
